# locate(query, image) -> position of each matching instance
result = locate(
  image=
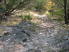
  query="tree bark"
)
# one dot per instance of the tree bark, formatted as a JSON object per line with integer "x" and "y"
{"x": 65, "y": 7}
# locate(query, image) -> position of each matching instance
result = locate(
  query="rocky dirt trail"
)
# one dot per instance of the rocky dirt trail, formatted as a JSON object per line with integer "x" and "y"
{"x": 23, "y": 37}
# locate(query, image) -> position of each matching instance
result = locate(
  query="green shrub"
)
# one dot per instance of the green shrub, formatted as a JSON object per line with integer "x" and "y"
{"x": 11, "y": 5}
{"x": 27, "y": 17}
{"x": 59, "y": 12}
{"x": 39, "y": 5}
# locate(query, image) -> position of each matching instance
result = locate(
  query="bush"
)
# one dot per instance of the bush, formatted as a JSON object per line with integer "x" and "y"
{"x": 59, "y": 12}
{"x": 39, "y": 5}
{"x": 26, "y": 17}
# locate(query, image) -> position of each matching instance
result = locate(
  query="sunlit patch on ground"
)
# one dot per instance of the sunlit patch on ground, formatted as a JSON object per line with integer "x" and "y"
{"x": 32, "y": 14}
{"x": 46, "y": 25}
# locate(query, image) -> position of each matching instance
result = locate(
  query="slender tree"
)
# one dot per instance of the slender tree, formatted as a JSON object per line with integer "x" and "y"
{"x": 4, "y": 3}
{"x": 65, "y": 11}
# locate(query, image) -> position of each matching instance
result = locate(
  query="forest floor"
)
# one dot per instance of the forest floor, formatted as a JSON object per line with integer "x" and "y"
{"x": 41, "y": 34}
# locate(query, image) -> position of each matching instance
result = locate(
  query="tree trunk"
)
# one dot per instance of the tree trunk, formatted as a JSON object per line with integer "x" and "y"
{"x": 4, "y": 1}
{"x": 68, "y": 14}
{"x": 65, "y": 16}
{"x": 4, "y": 4}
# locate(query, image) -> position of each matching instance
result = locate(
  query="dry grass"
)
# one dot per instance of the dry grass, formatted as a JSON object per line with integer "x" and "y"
{"x": 1, "y": 31}
{"x": 12, "y": 21}
{"x": 35, "y": 20}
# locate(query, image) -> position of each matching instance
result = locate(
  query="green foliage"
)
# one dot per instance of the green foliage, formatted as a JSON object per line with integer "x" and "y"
{"x": 39, "y": 5}
{"x": 26, "y": 17}
{"x": 59, "y": 3}
{"x": 11, "y": 5}
{"x": 59, "y": 12}
{"x": 8, "y": 5}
